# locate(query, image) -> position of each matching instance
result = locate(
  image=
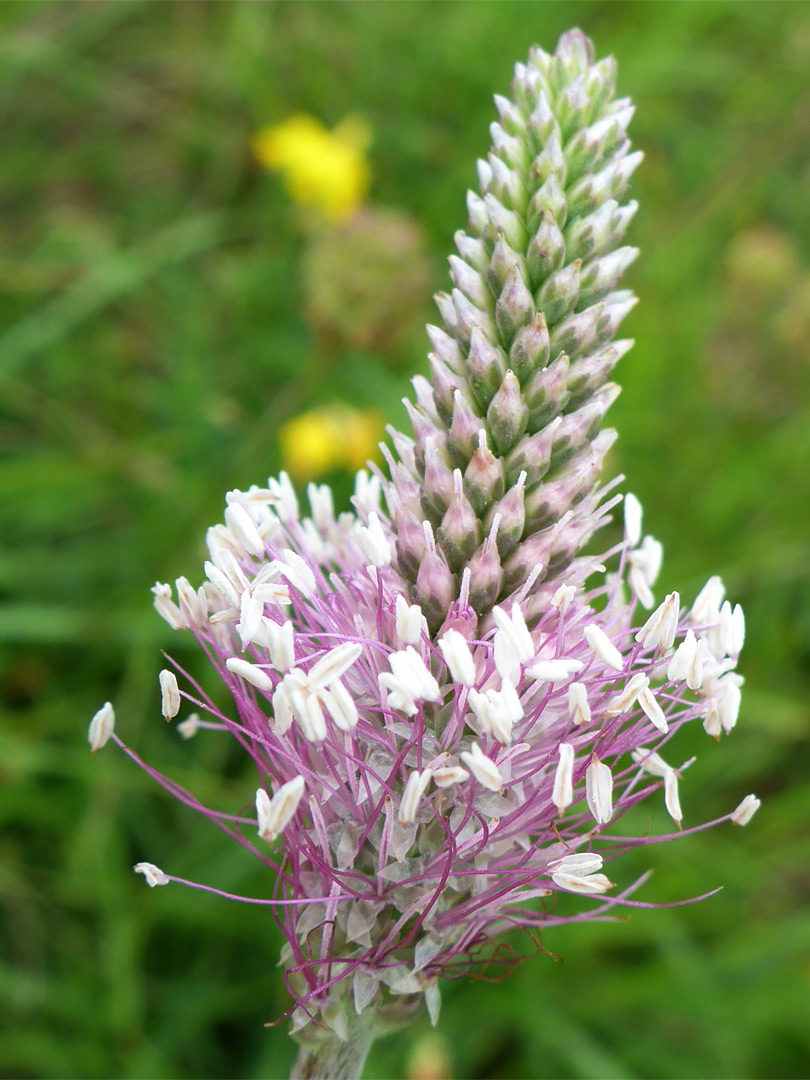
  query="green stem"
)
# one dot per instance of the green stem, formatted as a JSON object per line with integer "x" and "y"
{"x": 339, "y": 1059}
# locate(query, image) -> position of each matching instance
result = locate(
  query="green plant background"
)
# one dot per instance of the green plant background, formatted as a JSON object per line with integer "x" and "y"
{"x": 151, "y": 346}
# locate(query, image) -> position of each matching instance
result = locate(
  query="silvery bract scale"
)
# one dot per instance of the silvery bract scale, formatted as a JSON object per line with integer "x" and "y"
{"x": 449, "y": 707}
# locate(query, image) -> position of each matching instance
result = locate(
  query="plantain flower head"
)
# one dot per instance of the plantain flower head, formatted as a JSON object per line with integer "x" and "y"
{"x": 452, "y": 709}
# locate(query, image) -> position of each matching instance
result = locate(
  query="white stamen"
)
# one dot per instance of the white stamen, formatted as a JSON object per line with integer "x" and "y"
{"x": 746, "y": 810}
{"x": 644, "y": 566}
{"x": 193, "y": 603}
{"x": 307, "y": 711}
{"x": 651, "y": 762}
{"x": 283, "y": 493}
{"x": 448, "y": 775}
{"x": 555, "y": 670}
{"x": 562, "y": 598}
{"x": 340, "y": 706}
{"x": 728, "y": 703}
{"x": 169, "y": 694}
{"x": 249, "y": 672}
{"x": 411, "y": 623}
{"x": 101, "y": 727}
{"x": 189, "y": 727}
{"x": 280, "y": 644}
{"x": 415, "y": 788}
{"x": 497, "y": 710}
{"x": 603, "y": 648}
{"x": 282, "y": 710}
{"x": 166, "y": 607}
{"x": 457, "y": 656}
{"x": 298, "y": 573}
{"x": 593, "y": 883}
{"x": 243, "y": 527}
{"x": 632, "y": 519}
{"x": 321, "y": 505}
{"x": 485, "y": 771}
{"x": 563, "y": 793}
{"x": 579, "y": 710}
{"x": 707, "y": 603}
{"x": 513, "y": 642}
{"x": 599, "y": 790}
{"x": 153, "y": 874}
{"x": 659, "y": 630}
{"x": 581, "y": 863}
{"x": 688, "y": 661}
{"x": 367, "y": 490}
{"x": 653, "y": 710}
{"x": 374, "y": 541}
{"x": 409, "y": 681}
{"x": 671, "y": 799}
{"x": 273, "y": 814}
{"x": 626, "y": 698}
{"x": 250, "y": 617}
{"x": 336, "y": 662}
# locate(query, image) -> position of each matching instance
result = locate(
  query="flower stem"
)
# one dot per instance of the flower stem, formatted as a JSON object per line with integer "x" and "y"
{"x": 339, "y": 1059}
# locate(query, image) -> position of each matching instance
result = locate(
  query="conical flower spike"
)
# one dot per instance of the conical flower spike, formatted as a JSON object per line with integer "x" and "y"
{"x": 536, "y": 299}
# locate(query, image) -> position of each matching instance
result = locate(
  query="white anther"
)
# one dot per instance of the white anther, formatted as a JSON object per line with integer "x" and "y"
{"x": 632, "y": 519}
{"x": 169, "y": 694}
{"x": 644, "y": 566}
{"x": 562, "y": 598}
{"x": 653, "y": 710}
{"x": 726, "y": 638}
{"x": 249, "y": 672}
{"x": 193, "y": 603}
{"x": 563, "y": 792}
{"x": 307, "y": 711}
{"x": 497, "y": 710}
{"x": 282, "y": 710}
{"x": 340, "y": 706}
{"x": 578, "y": 873}
{"x": 671, "y": 798}
{"x": 374, "y": 542}
{"x": 244, "y": 528}
{"x": 457, "y": 656}
{"x": 746, "y": 810}
{"x": 485, "y": 771}
{"x": 579, "y": 710}
{"x": 688, "y": 662}
{"x": 599, "y": 790}
{"x": 728, "y": 700}
{"x": 555, "y": 670}
{"x": 513, "y": 642}
{"x": 321, "y": 505}
{"x": 626, "y": 698}
{"x": 415, "y": 788}
{"x": 101, "y": 727}
{"x": 447, "y": 775}
{"x": 273, "y": 814}
{"x": 286, "y": 503}
{"x": 651, "y": 762}
{"x": 336, "y": 662}
{"x": 367, "y": 490}
{"x": 706, "y": 607}
{"x": 659, "y": 630}
{"x": 296, "y": 571}
{"x": 603, "y": 648}
{"x": 153, "y": 874}
{"x": 223, "y": 585}
{"x": 166, "y": 607}
{"x": 280, "y": 643}
{"x": 250, "y": 617}
{"x": 189, "y": 727}
{"x": 411, "y": 623}
{"x": 409, "y": 681}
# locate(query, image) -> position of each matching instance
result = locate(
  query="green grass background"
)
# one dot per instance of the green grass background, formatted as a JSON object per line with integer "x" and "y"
{"x": 151, "y": 344}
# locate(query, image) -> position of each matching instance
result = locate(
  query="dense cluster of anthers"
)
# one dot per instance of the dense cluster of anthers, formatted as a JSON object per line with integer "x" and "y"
{"x": 449, "y": 707}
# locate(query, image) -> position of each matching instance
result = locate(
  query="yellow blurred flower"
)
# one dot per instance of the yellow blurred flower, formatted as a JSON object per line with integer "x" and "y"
{"x": 335, "y": 436}
{"x": 321, "y": 168}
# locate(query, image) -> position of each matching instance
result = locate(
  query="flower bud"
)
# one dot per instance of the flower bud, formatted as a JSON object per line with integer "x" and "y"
{"x": 560, "y": 293}
{"x": 530, "y": 348}
{"x": 463, "y": 435}
{"x": 486, "y": 366}
{"x": 512, "y": 513}
{"x": 445, "y": 383}
{"x": 507, "y": 414}
{"x": 483, "y": 477}
{"x": 514, "y": 307}
{"x": 503, "y": 262}
{"x": 438, "y": 485}
{"x": 546, "y": 392}
{"x": 546, "y": 251}
{"x": 532, "y": 454}
{"x": 486, "y": 574}
{"x": 549, "y": 198}
{"x": 469, "y": 282}
{"x": 460, "y": 531}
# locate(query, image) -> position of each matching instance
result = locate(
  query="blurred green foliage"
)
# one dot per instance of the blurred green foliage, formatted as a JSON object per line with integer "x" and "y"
{"x": 152, "y": 344}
